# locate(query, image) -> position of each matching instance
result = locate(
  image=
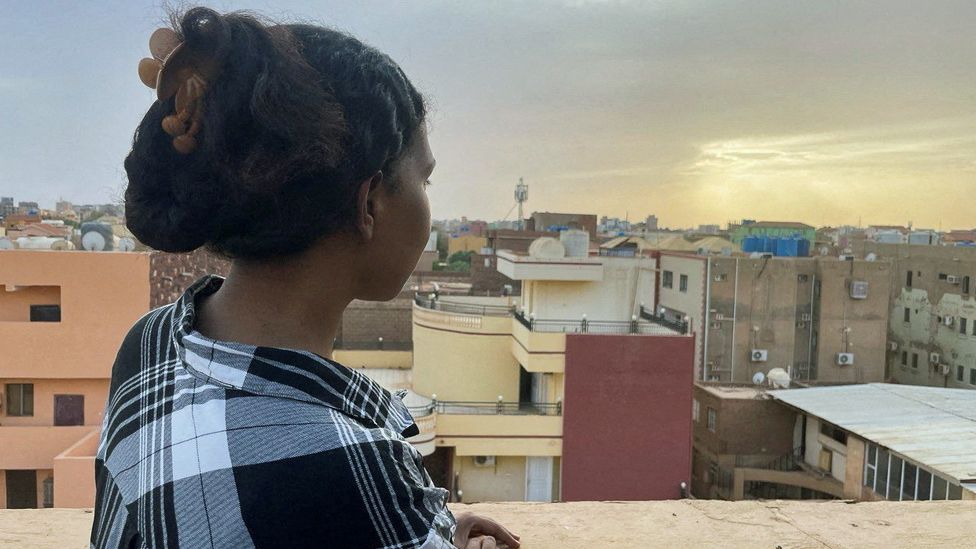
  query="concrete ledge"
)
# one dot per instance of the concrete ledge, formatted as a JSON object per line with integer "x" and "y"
{"x": 686, "y": 523}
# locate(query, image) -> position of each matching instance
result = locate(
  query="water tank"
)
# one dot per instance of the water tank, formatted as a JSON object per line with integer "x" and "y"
{"x": 786, "y": 247}
{"x": 778, "y": 378}
{"x": 63, "y": 245}
{"x": 547, "y": 248}
{"x": 7, "y": 244}
{"x": 576, "y": 242}
{"x": 751, "y": 244}
{"x": 769, "y": 245}
{"x": 37, "y": 242}
{"x": 97, "y": 237}
{"x": 803, "y": 247}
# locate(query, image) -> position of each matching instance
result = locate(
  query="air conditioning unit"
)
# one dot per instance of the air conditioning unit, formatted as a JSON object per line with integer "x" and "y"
{"x": 944, "y": 369}
{"x": 859, "y": 289}
{"x": 484, "y": 461}
{"x": 948, "y": 320}
{"x": 806, "y": 317}
{"x": 801, "y": 324}
{"x": 892, "y": 345}
{"x": 952, "y": 279}
{"x": 719, "y": 317}
{"x": 846, "y": 257}
{"x": 935, "y": 358}
{"x": 759, "y": 355}
{"x": 845, "y": 359}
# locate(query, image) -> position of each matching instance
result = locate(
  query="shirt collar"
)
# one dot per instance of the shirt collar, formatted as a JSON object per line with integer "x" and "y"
{"x": 283, "y": 373}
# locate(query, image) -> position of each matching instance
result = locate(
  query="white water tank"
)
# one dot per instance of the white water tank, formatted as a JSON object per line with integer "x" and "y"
{"x": 576, "y": 242}
{"x": 778, "y": 378}
{"x": 547, "y": 248}
{"x": 37, "y": 242}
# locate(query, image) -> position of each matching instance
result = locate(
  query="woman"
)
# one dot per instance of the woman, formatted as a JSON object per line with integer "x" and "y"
{"x": 302, "y": 154}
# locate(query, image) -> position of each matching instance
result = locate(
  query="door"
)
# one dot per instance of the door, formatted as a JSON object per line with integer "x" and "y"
{"x": 21, "y": 489}
{"x": 69, "y": 409}
{"x": 538, "y": 478}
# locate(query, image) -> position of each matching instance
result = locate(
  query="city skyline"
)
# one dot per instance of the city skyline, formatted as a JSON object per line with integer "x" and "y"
{"x": 827, "y": 114}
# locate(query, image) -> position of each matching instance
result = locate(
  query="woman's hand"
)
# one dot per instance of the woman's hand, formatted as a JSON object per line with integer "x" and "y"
{"x": 475, "y": 532}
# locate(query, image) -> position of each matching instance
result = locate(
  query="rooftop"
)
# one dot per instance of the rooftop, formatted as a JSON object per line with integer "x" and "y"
{"x": 930, "y": 425}
{"x": 684, "y": 523}
{"x": 732, "y": 391}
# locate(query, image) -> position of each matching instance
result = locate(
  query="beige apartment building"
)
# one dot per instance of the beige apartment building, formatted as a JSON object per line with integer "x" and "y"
{"x": 821, "y": 319}
{"x": 932, "y": 327}
{"x": 512, "y": 385}
{"x": 62, "y": 318}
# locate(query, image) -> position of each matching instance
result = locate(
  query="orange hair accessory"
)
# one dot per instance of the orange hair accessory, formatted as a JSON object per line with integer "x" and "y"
{"x": 175, "y": 69}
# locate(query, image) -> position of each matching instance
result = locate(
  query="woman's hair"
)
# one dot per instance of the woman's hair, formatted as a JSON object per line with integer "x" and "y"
{"x": 298, "y": 117}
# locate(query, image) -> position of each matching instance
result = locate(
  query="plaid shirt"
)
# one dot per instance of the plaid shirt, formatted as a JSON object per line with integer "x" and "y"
{"x": 217, "y": 444}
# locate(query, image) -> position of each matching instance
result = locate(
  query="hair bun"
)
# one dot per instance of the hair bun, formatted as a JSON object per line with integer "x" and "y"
{"x": 204, "y": 29}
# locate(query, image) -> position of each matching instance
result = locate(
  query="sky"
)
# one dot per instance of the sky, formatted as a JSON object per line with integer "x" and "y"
{"x": 826, "y": 112}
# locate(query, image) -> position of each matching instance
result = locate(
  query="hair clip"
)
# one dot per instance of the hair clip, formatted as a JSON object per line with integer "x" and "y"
{"x": 175, "y": 69}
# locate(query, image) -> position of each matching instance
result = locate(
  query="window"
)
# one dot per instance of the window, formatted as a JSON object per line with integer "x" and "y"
{"x": 45, "y": 313}
{"x": 965, "y": 284}
{"x": 908, "y": 279}
{"x": 972, "y": 376}
{"x": 870, "y": 465}
{"x": 939, "y": 487}
{"x": 908, "y": 314}
{"x": 924, "y": 484}
{"x": 974, "y": 328}
{"x": 894, "y": 478}
{"x": 960, "y": 373}
{"x": 833, "y": 432}
{"x": 712, "y": 420}
{"x": 668, "y": 279}
{"x": 943, "y": 276}
{"x": 915, "y": 360}
{"x": 695, "y": 410}
{"x": 904, "y": 358}
{"x": 881, "y": 482}
{"x": 683, "y": 283}
{"x": 20, "y": 399}
{"x": 962, "y": 325}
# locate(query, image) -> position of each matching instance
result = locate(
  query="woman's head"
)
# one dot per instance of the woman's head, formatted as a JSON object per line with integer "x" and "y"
{"x": 300, "y": 120}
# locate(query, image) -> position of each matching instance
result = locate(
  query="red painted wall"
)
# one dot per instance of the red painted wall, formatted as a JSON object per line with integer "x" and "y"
{"x": 627, "y": 417}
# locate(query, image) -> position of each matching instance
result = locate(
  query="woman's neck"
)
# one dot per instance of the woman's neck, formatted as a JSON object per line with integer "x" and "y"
{"x": 286, "y": 304}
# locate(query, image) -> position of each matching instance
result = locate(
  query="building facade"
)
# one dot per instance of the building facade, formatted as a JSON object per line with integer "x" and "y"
{"x": 62, "y": 318}
{"x": 820, "y": 319}
{"x": 521, "y": 389}
{"x": 774, "y": 229}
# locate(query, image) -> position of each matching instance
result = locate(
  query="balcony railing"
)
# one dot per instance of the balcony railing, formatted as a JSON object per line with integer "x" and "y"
{"x": 585, "y": 326}
{"x": 488, "y": 408}
{"x": 378, "y": 345}
{"x": 434, "y": 304}
{"x": 785, "y": 462}
{"x": 676, "y": 325}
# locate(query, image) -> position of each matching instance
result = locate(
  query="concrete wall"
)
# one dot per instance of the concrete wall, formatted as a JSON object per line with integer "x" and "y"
{"x": 776, "y": 307}
{"x": 363, "y": 322}
{"x": 172, "y": 274}
{"x": 463, "y": 357}
{"x": 690, "y": 302}
{"x": 505, "y": 481}
{"x": 627, "y": 434}
{"x": 929, "y": 299}
{"x": 626, "y": 283}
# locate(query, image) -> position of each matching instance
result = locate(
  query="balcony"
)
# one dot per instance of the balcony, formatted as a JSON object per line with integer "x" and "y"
{"x": 677, "y": 523}
{"x": 523, "y": 267}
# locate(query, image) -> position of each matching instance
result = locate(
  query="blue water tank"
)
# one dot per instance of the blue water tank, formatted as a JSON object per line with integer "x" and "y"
{"x": 803, "y": 248}
{"x": 786, "y": 247}
{"x": 769, "y": 245}
{"x": 750, "y": 244}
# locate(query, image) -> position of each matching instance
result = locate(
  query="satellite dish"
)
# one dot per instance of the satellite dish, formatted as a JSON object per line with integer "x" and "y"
{"x": 7, "y": 244}
{"x": 63, "y": 245}
{"x": 871, "y": 257}
{"x": 758, "y": 378}
{"x": 93, "y": 241}
{"x": 126, "y": 244}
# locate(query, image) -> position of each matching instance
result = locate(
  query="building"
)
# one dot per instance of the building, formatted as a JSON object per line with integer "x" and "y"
{"x": 7, "y": 206}
{"x": 821, "y": 319}
{"x": 650, "y": 225}
{"x": 63, "y": 315}
{"x": 555, "y": 222}
{"x": 516, "y": 241}
{"x": 775, "y": 229}
{"x": 864, "y": 442}
{"x": 738, "y": 426}
{"x": 960, "y": 238}
{"x": 932, "y": 328}
{"x": 881, "y": 441}
{"x": 28, "y": 208}
{"x": 467, "y": 243}
{"x": 522, "y": 390}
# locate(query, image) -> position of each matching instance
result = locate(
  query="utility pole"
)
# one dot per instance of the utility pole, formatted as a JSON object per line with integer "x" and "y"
{"x": 521, "y": 195}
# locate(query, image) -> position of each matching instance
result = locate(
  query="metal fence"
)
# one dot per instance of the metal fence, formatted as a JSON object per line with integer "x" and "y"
{"x": 586, "y": 326}
{"x": 489, "y": 408}
{"x": 676, "y": 325}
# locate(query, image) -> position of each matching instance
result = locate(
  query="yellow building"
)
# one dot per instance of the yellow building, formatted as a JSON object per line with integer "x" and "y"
{"x": 466, "y": 243}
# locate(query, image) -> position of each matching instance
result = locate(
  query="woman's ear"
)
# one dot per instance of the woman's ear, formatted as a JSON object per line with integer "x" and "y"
{"x": 366, "y": 205}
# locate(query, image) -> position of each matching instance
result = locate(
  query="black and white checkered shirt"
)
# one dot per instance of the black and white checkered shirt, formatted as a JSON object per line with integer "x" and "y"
{"x": 217, "y": 444}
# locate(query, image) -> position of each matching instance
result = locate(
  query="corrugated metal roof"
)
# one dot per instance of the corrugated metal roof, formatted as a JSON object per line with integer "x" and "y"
{"x": 933, "y": 426}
